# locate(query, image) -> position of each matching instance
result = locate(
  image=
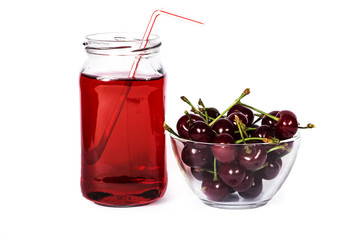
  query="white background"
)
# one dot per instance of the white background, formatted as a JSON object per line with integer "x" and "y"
{"x": 297, "y": 55}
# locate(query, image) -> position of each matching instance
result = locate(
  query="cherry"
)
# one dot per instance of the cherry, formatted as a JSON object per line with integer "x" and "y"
{"x": 252, "y": 157}
{"x": 212, "y": 112}
{"x": 222, "y": 151}
{"x": 271, "y": 170}
{"x": 223, "y": 125}
{"x": 269, "y": 121}
{"x": 201, "y": 132}
{"x": 196, "y": 155}
{"x": 246, "y": 182}
{"x": 231, "y": 173}
{"x": 215, "y": 190}
{"x": 183, "y": 124}
{"x": 255, "y": 189}
{"x": 251, "y": 132}
{"x": 200, "y": 174}
{"x": 244, "y": 110}
{"x": 264, "y": 131}
{"x": 287, "y": 125}
{"x": 242, "y": 118}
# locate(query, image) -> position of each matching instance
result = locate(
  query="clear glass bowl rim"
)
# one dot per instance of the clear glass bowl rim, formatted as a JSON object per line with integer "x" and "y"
{"x": 294, "y": 138}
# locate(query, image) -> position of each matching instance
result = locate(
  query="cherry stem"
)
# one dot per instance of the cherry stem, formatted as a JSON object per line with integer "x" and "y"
{"x": 215, "y": 170}
{"x": 263, "y": 166}
{"x": 247, "y": 129}
{"x": 262, "y": 112}
{"x": 203, "y": 115}
{"x": 193, "y": 109}
{"x": 309, "y": 125}
{"x": 239, "y": 125}
{"x": 203, "y": 170}
{"x": 188, "y": 102}
{"x": 283, "y": 147}
{"x": 188, "y": 115}
{"x": 206, "y": 114}
{"x": 167, "y": 128}
{"x": 245, "y": 92}
{"x": 265, "y": 140}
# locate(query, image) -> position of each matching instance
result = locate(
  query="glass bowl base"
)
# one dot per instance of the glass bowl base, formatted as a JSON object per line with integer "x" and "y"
{"x": 228, "y": 205}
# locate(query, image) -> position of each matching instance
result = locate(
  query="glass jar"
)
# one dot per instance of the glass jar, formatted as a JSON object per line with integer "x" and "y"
{"x": 122, "y": 114}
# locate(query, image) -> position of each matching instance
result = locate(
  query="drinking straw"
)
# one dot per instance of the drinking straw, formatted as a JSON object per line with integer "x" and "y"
{"x": 93, "y": 155}
{"x": 147, "y": 33}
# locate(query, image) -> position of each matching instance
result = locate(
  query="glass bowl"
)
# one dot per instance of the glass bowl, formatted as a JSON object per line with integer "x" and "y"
{"x": 250, "y": 180}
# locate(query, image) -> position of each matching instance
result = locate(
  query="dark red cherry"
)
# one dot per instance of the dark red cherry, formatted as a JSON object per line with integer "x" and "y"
{"x": 183, "y": 124}
{"x": 200, "y": 173}
{"x": 241, "y": 116}
{"x": 255, "y": 189}
{"x": 287, "y": 125}
{"x": 244, "y": 110}
{"x": 215, "y": 190}
{"x": 223, "y": 125}
{"x": 222, "y": 151}
{"x": 269, "y": 121}
{"x": 246, "y": 182}
{"x": 271, "y": 170}
{"x": 264, "y": 131}
{"x": 251, "y": 132}
{"x": 231, "y": 173}
{"x": 212, "y": 112}
{"x": 201, "y": 132}
{"x": 194, "y": 155}
{"x": 251, "y": 157}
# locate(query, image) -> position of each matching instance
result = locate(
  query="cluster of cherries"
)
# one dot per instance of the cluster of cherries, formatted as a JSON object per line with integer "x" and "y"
{"x": 234, "y": 162}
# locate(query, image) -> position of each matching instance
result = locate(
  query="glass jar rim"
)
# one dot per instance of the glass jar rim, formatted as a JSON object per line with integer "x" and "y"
{"x": 121, "y": 37}
{"x": 121, "y": 43}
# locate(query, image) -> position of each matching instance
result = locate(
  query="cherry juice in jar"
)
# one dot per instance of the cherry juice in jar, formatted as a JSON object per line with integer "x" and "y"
{"x": 123, "y": 141}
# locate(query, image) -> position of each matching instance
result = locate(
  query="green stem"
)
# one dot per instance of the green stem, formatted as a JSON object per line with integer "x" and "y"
{"x": 250, "y": 128}
{"x": 238, "y": 123}
{"x": 203, "y": 115}
{"x": 262, "y": 112}
{"x": 284, "y": 147}
{"x": 194, "y": 109}
{"x": 167, "y": 128}
{"x": 188, "y": 115}
{"x": 247, "y": 139}
{"x": 264, "y": 165}
{"x": 215, "y": 170}
{"x": 188, "y": 102}
{"x": 203, "y": 170}
{"x": 309, "y": 125}
{"x": 245, "y": 92}
{"x": 275, "y": 148}
{"x": 265, "y": 140}
{"x": 206, "y": 114}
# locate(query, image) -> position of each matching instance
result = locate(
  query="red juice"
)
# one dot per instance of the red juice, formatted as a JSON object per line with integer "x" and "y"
{"x": 123, "y": 156}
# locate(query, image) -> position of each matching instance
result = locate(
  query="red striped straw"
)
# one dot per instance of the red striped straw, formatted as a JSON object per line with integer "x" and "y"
{"x": 148, "y": 30}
